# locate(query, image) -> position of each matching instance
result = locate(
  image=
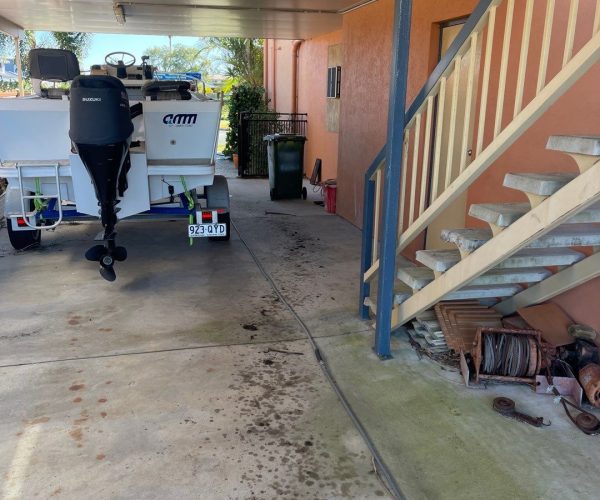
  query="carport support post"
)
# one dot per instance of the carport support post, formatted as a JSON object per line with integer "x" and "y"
{"x": 19, "y": 66}
{"x": 391, "y": 183}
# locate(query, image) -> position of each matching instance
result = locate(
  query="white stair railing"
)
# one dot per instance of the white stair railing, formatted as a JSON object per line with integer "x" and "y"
{"x": 457, "y": 129}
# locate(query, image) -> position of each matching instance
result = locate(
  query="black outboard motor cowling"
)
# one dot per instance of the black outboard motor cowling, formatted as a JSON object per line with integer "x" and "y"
{"x": 99, "y": 111}
{"x": 101, "y": 131}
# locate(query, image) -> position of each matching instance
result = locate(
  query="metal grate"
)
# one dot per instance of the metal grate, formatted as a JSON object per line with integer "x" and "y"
{"x": 254, "y": 126}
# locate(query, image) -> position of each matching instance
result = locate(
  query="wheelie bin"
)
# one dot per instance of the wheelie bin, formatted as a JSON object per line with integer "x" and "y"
{"x": 286, "y": 165}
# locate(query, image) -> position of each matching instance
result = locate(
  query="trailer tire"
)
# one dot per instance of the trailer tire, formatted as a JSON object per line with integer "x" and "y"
{"x": 23, "y": 240}
{"x": 223, "y": 219}
{"x": 217, "y": 197}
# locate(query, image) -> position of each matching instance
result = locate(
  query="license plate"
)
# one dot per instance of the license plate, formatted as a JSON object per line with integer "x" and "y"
{"x": 207, "y": 230}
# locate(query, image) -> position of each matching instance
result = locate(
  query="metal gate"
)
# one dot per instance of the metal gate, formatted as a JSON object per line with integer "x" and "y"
{"x": 254, "y": 126}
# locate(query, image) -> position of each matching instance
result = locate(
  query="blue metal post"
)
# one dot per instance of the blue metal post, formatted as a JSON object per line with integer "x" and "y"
{"x": 367, "y": 246}
{"x": 391, "y": 189}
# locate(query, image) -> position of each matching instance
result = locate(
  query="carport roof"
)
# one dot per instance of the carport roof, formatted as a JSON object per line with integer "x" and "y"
{"x": 286, "y": 19}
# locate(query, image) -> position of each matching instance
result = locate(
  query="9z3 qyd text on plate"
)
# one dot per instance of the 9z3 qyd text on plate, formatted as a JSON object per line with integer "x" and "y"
{"x": 206, "y": 230}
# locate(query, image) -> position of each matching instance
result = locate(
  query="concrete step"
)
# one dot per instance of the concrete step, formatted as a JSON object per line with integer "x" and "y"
{"x": 468, "y": 239}
{"x": 442, "y": 260}
{"x": 415, "y": 277}
{"x": 370, "y": 303}
{"x": 582, "y": 145}
{"x": 538, "y": 184}
{"x": 402, "y": 261}
{"x": 585, "y": 150}
{"x": 401, "y": 292}
{"x": 472, "y": 292}
{"x": 507, "y": 276}
{"x": 568, "y": 235}
{"x": 499, "y": 214}
{"x": 504, "y": 214}
{"x": 419, "y": 277}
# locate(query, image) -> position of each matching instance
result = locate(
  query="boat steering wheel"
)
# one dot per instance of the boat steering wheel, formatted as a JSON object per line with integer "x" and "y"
{"x": 114, "y": 58}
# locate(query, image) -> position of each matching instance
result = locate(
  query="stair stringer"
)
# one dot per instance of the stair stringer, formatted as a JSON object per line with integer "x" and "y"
{"x": 567, "y": 279}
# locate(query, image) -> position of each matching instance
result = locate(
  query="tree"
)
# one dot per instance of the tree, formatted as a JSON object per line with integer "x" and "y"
{"x": 7, "y": 48}
{"x": 5, "y": 45}
{"x": 76, "y": 41}
{"x": 243, "y": 58}
{"x": 180, "y": 58}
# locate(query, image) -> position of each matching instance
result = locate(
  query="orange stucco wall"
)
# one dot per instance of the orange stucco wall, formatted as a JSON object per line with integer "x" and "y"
{"x": 367, "y": 45}
{"x": 574, "y": 114}
{"x": 366, "y": 39}
{"x": 310, "y": 96}
{"x": 312, "y": 99}
{"x": 278, "y": 74}
{"x": 424, "y": 37}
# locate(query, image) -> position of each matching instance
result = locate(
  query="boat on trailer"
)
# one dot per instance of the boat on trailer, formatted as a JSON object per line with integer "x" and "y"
{"x": 118, "y": 144}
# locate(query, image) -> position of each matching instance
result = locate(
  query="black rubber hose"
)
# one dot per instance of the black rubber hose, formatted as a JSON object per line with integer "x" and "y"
{"x": 380, "y": 467}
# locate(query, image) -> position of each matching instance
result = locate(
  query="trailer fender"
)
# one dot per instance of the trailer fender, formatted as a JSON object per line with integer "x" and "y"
{"x": 217, "y": 195}
{"x": 12, "y": 202}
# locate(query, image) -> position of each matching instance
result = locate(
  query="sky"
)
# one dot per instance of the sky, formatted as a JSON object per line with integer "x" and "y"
{"x": 102, "y": 44}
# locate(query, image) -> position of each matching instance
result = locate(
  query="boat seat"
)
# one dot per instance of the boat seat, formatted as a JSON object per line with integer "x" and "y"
{"x": 52, "y": 65}
{"x": 167, "y": 90}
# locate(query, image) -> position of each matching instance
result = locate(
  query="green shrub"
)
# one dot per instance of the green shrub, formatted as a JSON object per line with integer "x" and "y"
{"x": 244, "y": 97}
{"x": 7, "y": 86}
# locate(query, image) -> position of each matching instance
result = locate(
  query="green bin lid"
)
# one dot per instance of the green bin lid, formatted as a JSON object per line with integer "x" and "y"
{"x": 284, "y": 137}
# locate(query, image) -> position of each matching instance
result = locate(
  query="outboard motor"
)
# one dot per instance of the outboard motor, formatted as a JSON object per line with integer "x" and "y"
{"x": 101, "y": 131}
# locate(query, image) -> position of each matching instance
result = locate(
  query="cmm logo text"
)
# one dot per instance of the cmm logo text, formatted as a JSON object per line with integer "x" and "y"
{"x": 180, "y": 120}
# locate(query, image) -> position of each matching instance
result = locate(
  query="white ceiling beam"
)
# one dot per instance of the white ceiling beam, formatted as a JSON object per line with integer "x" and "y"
{"x": 10, "y": 28}
{"x": 290, "y": 19}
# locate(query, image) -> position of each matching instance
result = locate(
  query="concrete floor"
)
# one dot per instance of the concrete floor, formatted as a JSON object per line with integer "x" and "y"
{"x": 163, "y": 384}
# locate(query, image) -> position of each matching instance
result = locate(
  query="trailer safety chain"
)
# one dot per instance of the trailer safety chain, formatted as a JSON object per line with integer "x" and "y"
{"x": 381, "y": 470}
{"x": 191, "y": 204}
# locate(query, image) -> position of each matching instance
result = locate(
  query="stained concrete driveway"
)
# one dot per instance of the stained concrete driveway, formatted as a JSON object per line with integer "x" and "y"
{"x": 170, "y": 383}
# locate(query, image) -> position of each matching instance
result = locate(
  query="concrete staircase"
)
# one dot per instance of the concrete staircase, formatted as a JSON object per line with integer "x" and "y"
{"x": 569, "y": 235}
{"x": 528, "y": 242}
{"x": 501, "y": 215}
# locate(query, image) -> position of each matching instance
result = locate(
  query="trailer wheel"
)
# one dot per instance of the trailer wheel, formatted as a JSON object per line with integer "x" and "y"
{"x": 23, "y": 240}
{"x": 223, "y": 219}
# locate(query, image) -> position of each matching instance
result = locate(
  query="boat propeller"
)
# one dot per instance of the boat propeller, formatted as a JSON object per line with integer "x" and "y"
{"x": 107, "y": 256}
